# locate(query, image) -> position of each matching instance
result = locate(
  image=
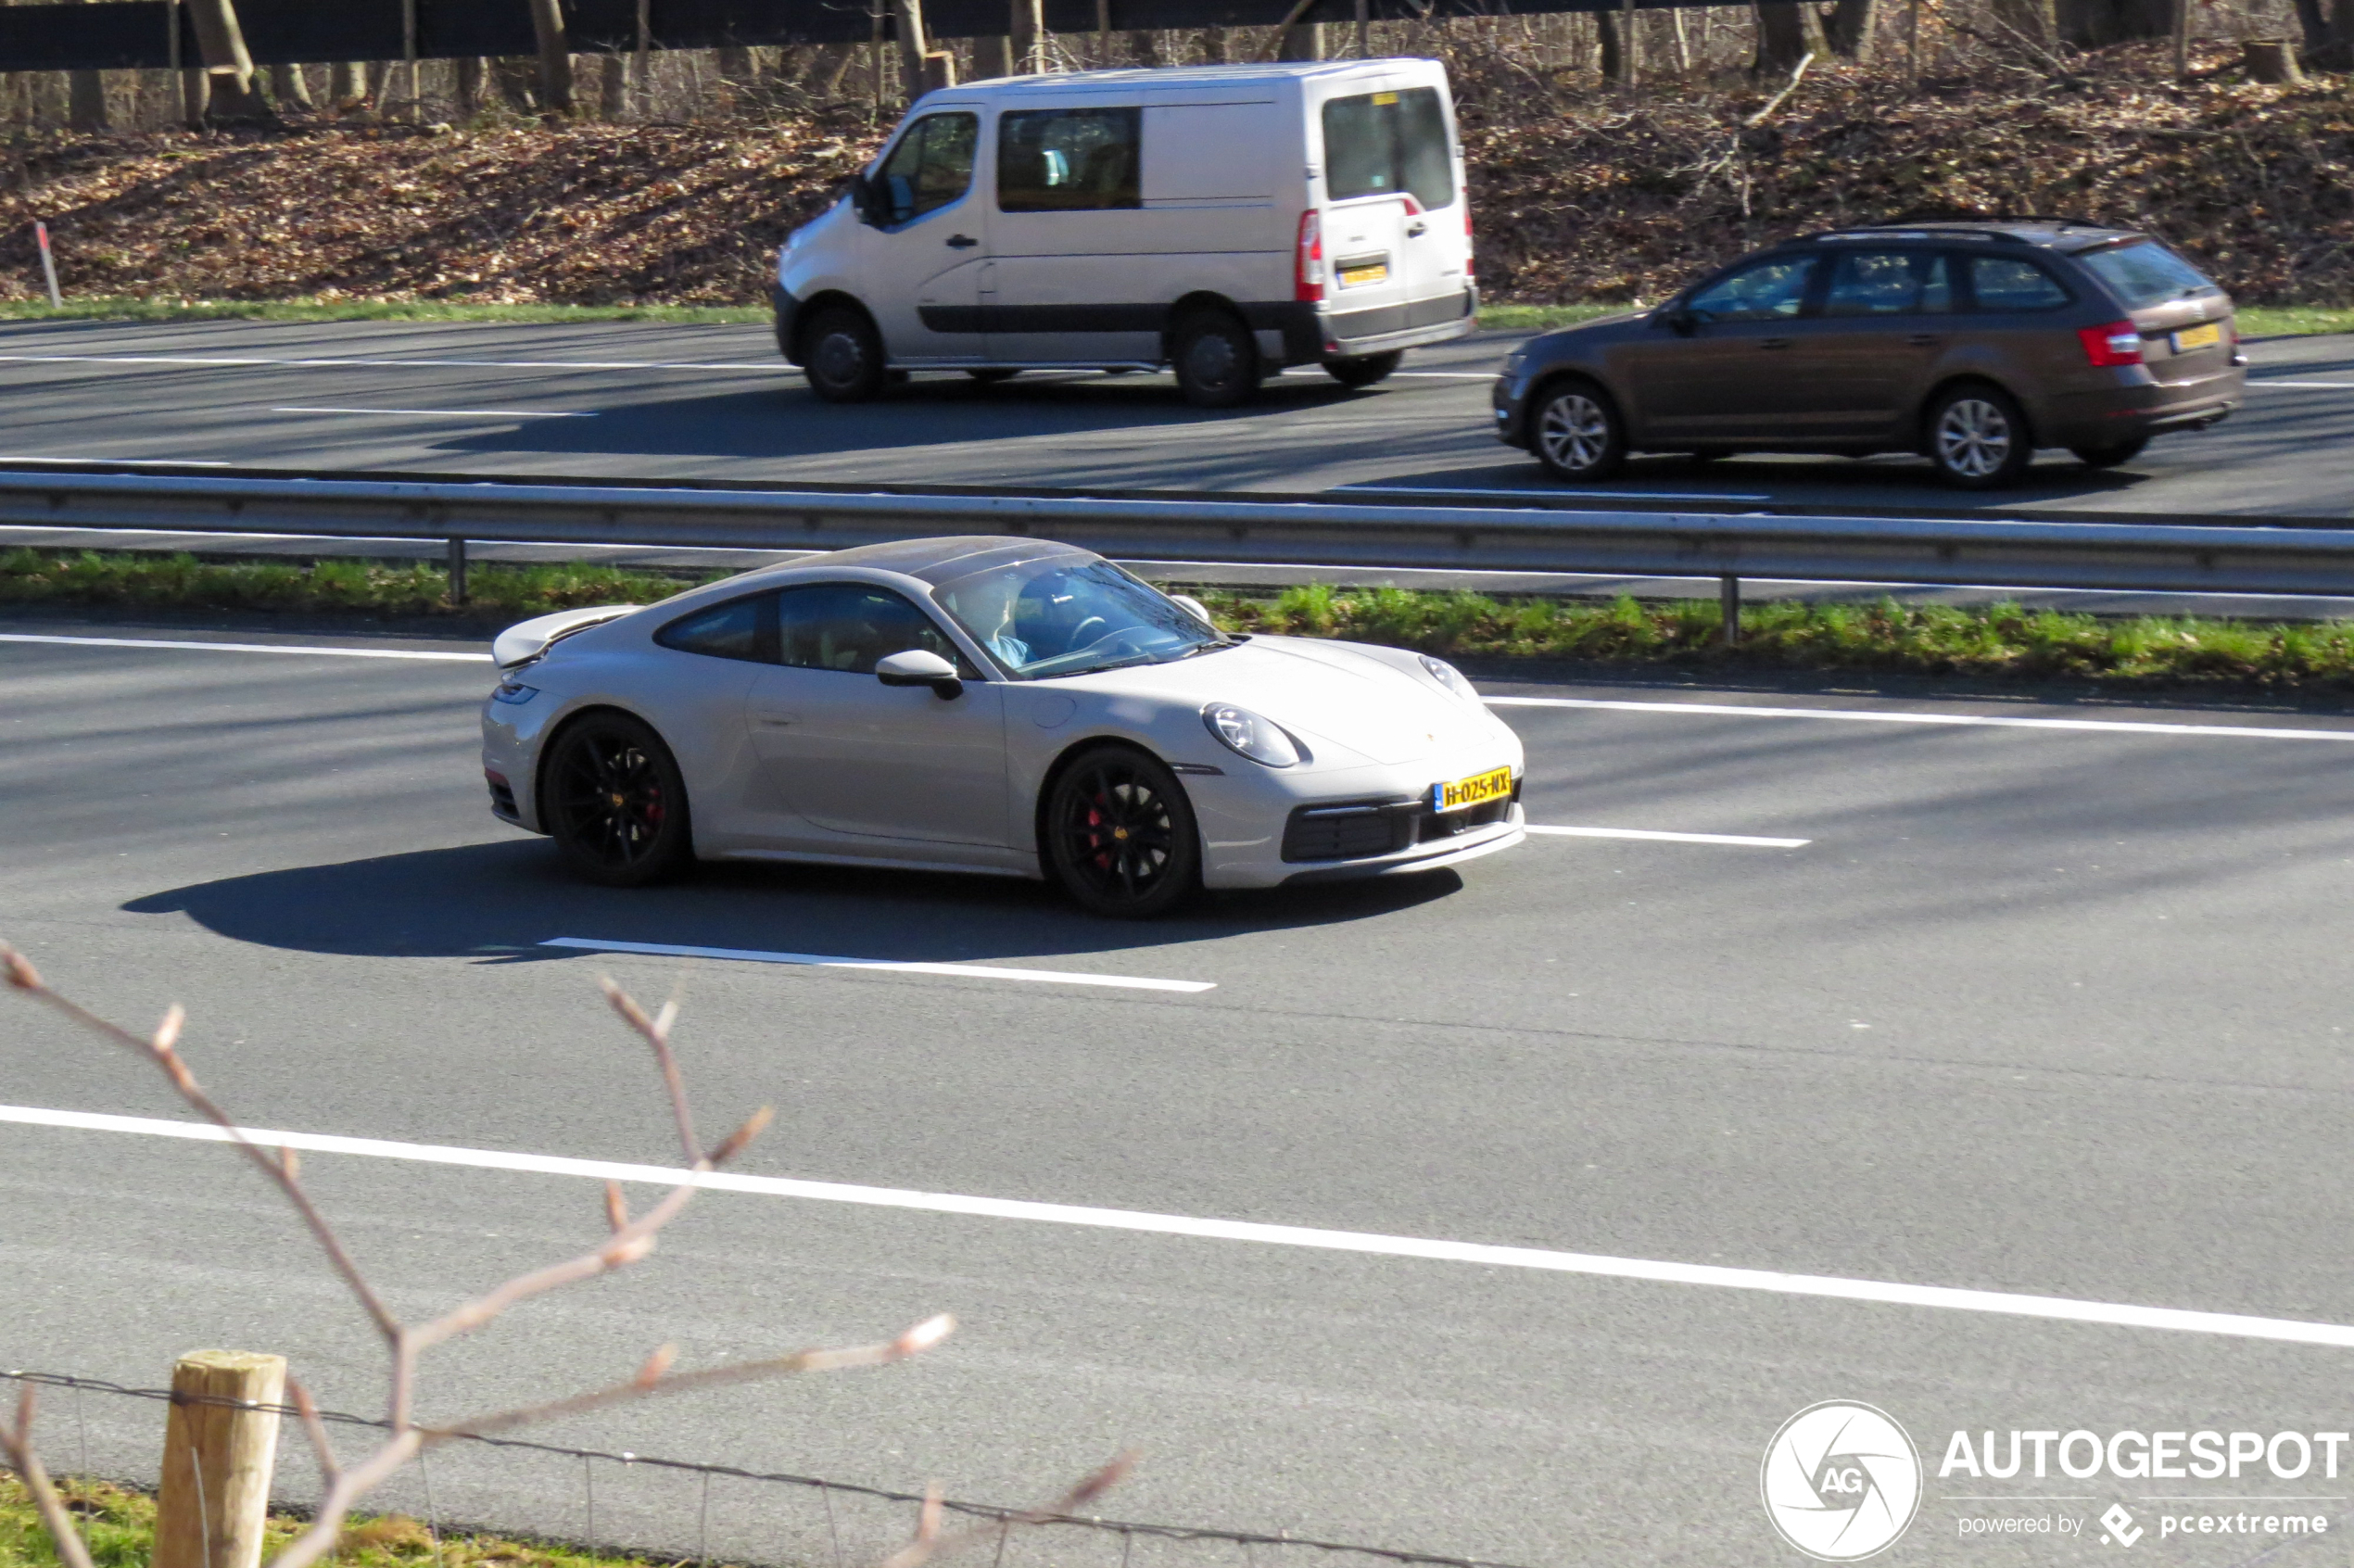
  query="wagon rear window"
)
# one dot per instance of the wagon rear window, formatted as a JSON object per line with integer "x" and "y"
{"x": 1380, "y": 143}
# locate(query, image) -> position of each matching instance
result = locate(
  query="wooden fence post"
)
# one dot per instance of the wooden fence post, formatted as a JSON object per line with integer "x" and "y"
{"x": 217, "y": 1460}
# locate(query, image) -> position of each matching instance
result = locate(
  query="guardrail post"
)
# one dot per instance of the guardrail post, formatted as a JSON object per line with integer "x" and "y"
{"x": 218, "y": 1453}
{"x": 1729, "y": 605}
{"x": 457, "y": 571}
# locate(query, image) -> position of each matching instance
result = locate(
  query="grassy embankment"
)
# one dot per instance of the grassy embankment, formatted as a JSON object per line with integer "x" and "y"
{"x": 120, "y": 1527}
{"x": 1998, "y": 642}
{"x": 2256, "y": 320}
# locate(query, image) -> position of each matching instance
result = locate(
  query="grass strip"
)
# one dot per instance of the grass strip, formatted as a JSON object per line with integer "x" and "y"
{"x": 2255, "y": 321}
{"x": 1998, "y": 641}
{"x": 120, "y": 1526}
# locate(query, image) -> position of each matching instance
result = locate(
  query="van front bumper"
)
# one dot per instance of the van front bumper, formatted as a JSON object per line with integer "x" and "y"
{"x": 788, "y": 311}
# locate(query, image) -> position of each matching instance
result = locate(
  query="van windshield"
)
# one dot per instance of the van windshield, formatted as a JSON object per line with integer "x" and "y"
{"x": 1068, "y": 616}
{"x": 1376, "y": 144}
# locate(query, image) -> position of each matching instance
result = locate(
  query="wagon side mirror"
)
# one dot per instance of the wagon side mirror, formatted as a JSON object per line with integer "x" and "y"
{"x": 1679, "y": 318}
{"x": 921, "y": 667}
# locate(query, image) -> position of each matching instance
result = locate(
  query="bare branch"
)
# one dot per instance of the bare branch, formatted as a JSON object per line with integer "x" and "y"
{"x": 922, "y": 1337}
{"x": 616, "y": 1208}
{"x": 326, "y": 1526}
{"x": 929, "y": 1543}
{"x": 330, "y": 1467}
{"x": 15, "y": 1452}
{"x": 657, "y": 1034}
{"x": 158, "y": 1049}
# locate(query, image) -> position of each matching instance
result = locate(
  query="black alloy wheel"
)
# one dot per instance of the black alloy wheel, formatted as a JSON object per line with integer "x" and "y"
{"x": 1577, "y": 433}
{"x": 1362, "y": 370}
{"x": 842, "y": 356}
{"x": 615, "y": 803}
{"x": 2109, "y": 454}
{"x": 1216, "y": 359}
{"x": 1121, "y": 835}
{"x": 1978, "y": 438}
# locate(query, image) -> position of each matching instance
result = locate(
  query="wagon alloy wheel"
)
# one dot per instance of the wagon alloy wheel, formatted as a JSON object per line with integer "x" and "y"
{"x": 1120, "y": 834}
{"x": 1978, "y": 438}
{"x": 1578, "y": 434}
{"x": 617, "y": 806}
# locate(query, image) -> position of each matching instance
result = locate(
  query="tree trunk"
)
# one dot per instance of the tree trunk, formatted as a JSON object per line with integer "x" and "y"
{"x": 613, "y": 87}
{"x": 833, "y": 63}
{"x": 992, "y": 55}
{"x": 2272, "y": 60}
{"x": 1781, "y": 37}
{"x": 1613, "y": 50}
{"x": 737, "y": 65}
{"x": 515, "y": 79}
{"x": 86, "y": 101}
{"x": 1216, "y": 45}
{"x": 1306, "y": 42}
{"x": 555, "y": 57}
{"x": 347, "y": 83}
{"x": 287, "y": 86}
{"x": 2092, "y": 24}
{"x": 2036, "y": 20}
{"x": 1029, "y": 21}
{"x": 471, "y": 69}
{"x": 1850, "y": 31}
{"x": 1145, "y": 45}
{"x": 221, "y": 41}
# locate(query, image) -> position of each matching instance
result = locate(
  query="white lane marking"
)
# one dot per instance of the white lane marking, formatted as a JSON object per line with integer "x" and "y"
{"x": 1547, "y": 495}
{"x": 448, "y": 413}
{"x": 2057, "y": 1307}
{"x": 128, "y": 463}
{"x": 824, "y": 961}
{"x": 245, "y": 647}
{"x": 2330, "y": 385}
{"x": 1852, "y": 716}
{"x": 1424, "y": 375}
{"x": 202, "y": 361}
{"x": 1671, "y": 837}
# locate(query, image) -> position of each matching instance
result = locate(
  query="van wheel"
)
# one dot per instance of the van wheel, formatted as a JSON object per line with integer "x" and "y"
{"x": 1362, "y": 370}
{"x": 1577, "y": 434}
{"x": 842, "y": 356}
{"x": 1978, "y": 438}
{"x": 1216, "y": 361}
{"x": 2109, "y": 454}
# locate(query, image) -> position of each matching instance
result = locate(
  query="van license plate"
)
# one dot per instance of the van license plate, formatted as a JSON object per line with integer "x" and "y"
{"x": 1357, "y": 277}
{"x": 2199, "y": 337}
{"x": 1465, "y": 793}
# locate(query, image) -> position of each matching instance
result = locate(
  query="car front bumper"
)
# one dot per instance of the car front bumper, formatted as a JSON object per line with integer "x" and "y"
{"x": 1260, "y": 827}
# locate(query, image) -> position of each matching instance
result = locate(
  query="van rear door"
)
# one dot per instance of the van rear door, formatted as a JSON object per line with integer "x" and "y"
{"x": 1395, "y": 235}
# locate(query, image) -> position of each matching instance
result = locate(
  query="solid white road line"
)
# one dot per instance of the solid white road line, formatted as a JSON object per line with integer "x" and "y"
{"x": 246, "y": 648}
{"x": 1671, "y": 837}
{"x": 1855, "y": 715}
{"x": 126, "y": 463}
{"x": 2058, "y": 1308}
{"x": 448, "y": 413}
{"x": 2316, "y": 385}
{"x": 214, "y": 359}
{"x": 1545, "y": 495}
{"x": 824, "y": 961}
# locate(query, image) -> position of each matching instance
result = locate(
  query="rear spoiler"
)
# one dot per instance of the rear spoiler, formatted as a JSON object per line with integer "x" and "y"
{"x": 527, "y": 640}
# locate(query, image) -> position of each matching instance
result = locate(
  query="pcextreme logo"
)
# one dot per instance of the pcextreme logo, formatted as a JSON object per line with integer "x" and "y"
{"x": 1841, "y": 1481}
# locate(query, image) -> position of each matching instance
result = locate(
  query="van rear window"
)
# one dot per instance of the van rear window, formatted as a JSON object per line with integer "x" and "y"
{"x": 1380, "y": 143}
{"x": 1068, "y": 160}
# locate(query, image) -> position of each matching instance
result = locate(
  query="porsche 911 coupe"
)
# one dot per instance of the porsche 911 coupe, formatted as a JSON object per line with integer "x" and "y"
{"x": 1009, "y": 706}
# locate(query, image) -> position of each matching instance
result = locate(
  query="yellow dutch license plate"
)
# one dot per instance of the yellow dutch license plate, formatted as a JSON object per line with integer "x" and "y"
{"x": 1357, "y": 277}
{"x": 2199, "y": 337}
{"x": 1465, "y": 793}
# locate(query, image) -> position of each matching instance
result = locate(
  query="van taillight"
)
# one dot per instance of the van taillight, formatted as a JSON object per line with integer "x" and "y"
{"x": 1308, "y": 281}
{"x": 2120, "y": 343}
{"x": 1471, "y": 250}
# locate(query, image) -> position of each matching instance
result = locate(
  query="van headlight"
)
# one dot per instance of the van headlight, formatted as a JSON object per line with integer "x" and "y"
{"x": 1451, "y": 679}
{"x": 1245, "y": 733}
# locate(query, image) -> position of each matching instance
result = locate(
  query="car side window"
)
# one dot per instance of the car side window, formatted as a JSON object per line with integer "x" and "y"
{"x": 1888, "y": 282}
{"x": 1765, "y": 291}
{"x": 2004, "y": 283}
{"x": 931, "y": 166}
{"x": 848, "y": 627}
{"x": 1070, "y": 159}
{"x": 741, "y": 629}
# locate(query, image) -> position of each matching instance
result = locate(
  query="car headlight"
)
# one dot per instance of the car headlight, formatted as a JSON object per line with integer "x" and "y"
{"x": 1450, "y": 678}
{"x": 1243, "y": 732}
{"x": 513, "y": 691}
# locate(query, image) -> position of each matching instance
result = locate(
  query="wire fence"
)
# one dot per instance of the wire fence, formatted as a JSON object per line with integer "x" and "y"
{"x": 667, "y": 1510}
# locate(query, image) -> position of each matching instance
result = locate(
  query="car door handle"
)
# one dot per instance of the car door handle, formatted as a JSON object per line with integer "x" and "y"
{"x": 1773, "y": 343}
{"x": 1924, "y": 340}
{"x": 961, "y": 242}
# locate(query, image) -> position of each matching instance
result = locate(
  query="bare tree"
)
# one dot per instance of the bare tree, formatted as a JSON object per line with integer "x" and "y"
{"x": 628, "y": 1239}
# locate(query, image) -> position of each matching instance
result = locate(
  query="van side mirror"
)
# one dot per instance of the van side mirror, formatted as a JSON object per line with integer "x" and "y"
{"x": 862, "y": 197}
{"x": 921, "y": 667}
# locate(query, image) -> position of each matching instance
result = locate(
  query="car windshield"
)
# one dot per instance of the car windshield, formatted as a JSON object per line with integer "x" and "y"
{"x": 2147, "y": 273}
{"x": 1071, "y": 614}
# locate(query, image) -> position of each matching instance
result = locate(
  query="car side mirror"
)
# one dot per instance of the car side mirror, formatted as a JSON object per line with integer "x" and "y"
{"x": 921, "y": 667}
{"x": 1193, "y": 607}
{"x": 1680, "y": 319}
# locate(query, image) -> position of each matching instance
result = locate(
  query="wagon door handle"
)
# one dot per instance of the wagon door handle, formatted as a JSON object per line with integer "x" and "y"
{"x": 1773, "y": 343}
{"x": 1924, "y": 340}
{"x": 961, "y": 242}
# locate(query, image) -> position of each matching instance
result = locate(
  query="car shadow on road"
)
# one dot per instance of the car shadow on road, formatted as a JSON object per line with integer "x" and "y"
{"x": 1895, "y": 480}
{"x": 500, "y": 902}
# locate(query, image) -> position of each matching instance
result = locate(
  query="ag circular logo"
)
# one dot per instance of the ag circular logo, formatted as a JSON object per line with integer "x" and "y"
{"x": 1841, "y": 1481}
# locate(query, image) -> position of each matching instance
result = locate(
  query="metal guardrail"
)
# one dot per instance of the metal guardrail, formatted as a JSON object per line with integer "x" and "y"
{"x": 1728, "y": 546}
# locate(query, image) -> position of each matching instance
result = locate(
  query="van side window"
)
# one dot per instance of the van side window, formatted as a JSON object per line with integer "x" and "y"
{"x": 1070, "y": 159}
{"x": 1380, "y": 143}
{"x": 931, "y": 166}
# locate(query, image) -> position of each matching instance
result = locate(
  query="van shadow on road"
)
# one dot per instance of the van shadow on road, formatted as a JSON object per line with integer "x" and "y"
{"x": 498, "y": 902}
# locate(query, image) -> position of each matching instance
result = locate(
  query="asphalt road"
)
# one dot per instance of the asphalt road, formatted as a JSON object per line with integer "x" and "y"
{"x": 715, "y": 402}
{"x": 2034, "y": 1010}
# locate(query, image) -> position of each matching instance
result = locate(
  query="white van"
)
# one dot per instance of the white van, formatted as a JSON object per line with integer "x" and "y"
{"x": 1222, "y": 220}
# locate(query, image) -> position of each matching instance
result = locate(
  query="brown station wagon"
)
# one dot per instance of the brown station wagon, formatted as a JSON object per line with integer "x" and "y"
{"x": 1971, "y": 343}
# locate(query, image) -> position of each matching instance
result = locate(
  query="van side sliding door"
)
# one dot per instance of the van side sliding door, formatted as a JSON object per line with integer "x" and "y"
{"x": 1066, "y": 282}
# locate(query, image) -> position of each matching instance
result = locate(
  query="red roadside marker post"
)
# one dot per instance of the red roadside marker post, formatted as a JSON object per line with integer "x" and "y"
{"x": 48, "y": 264}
